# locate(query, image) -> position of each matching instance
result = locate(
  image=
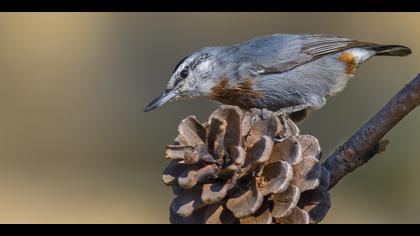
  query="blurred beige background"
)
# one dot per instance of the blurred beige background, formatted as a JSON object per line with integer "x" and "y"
{"x": 75, "y": 146}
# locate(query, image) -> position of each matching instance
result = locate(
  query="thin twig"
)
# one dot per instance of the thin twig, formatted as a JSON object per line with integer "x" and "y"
{"x": 366, "y": 142}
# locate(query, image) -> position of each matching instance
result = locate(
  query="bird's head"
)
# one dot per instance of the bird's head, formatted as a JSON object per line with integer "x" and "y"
{"x": 193, "y": 76}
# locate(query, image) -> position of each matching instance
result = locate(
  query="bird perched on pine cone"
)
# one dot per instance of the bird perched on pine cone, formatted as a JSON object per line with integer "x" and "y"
{"x": 290, "y": 74}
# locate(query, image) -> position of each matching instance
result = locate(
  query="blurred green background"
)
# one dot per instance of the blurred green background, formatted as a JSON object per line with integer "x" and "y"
{"x": 75, "y": 146}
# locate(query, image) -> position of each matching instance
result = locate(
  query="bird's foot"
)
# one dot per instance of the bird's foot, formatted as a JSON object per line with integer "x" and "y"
{"x": 283, "y": 114}
{"x": 265, "y": 114}
{"x": 291, "y": 109}
{"x": 279, "y": 139}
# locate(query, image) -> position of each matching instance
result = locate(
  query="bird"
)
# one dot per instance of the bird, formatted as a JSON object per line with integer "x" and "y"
{"x": 289, "y": 74}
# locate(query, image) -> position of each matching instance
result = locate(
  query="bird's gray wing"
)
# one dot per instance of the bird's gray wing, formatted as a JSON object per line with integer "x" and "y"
{"x": 282, "y": 52}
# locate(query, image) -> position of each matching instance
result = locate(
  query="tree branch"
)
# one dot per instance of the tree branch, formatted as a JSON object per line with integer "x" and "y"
{"x": 366, "y": 142}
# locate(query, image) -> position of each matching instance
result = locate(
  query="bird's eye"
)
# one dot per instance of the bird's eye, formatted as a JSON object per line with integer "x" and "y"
{"x": 184, "y": 73}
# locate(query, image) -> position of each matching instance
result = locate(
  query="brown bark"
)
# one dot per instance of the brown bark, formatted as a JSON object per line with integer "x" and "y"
{"x": 366, "y": 142}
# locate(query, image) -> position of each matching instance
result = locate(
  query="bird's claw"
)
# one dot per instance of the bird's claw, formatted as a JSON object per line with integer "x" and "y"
{"x": 279, "y": 140}
{"x": 283, "y": 117}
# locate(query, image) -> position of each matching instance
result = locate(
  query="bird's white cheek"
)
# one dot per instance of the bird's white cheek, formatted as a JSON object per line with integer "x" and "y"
{"x": 199, "y": 88}
{"x": 205, "y": 87}
{"x": 190, "y": 88}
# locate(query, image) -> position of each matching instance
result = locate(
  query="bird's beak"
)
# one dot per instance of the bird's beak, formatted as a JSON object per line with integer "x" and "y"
{"x": 166, "y": 97}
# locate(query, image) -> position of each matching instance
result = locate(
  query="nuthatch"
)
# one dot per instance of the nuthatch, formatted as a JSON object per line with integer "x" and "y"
{"x": 290, "y": 74}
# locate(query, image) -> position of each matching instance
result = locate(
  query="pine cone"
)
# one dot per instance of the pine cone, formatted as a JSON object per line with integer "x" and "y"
{"x": 231, "y": 170}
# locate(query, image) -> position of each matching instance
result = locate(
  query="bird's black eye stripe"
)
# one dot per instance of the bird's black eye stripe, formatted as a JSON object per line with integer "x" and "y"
{"x": 179, "y": 63}
{"x": 182, "y": 75}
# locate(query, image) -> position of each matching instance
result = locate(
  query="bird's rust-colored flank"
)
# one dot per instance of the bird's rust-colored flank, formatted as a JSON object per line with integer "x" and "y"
{"x": 350, "y": 61}
{"x": 243, "y": 94}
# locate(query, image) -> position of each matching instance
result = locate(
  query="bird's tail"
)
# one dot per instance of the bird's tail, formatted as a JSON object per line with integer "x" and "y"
{"x": 390, "y": 50}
